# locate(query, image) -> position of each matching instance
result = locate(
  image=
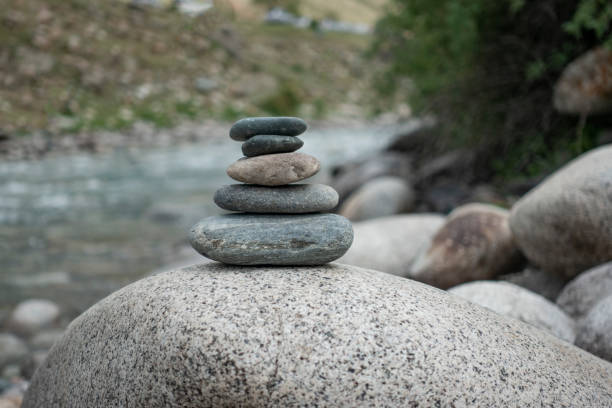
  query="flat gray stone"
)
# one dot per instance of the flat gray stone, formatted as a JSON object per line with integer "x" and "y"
{"x": 519, "y": 303}
{"x": 250, "y": 239}
{"x": 332, "y": 336}
{"x": 564, "y": 225}
{"x": 391, "y": 244}
{"x": 274, "y": 169}
{"x": 475, "y": 243}
{"x": 595, "y": 330}
{"x": 380, "y": 197}
{"x": 586, "y": 290}
{"x": 269, "y": 144}
{"x": 291, "y": 199}
{"x": 283, "y": 126}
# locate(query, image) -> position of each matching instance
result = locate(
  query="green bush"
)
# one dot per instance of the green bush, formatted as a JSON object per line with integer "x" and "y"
{"x": 487, "y": 70}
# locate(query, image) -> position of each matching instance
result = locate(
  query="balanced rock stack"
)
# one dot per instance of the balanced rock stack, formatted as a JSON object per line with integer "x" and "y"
{"x": 279, "y": 223}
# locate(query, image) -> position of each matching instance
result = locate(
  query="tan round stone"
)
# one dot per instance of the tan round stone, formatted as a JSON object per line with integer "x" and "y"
{"x": 274, "y": 169}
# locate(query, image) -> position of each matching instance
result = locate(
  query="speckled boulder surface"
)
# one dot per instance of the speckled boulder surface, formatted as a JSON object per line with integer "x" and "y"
{"x": 588, "y": 288}
{"x": 390, "y": 244}
{"x": 276, "y": 125}
{"x": 595, "y": 330}
{"x": 213, "y": 335}
{"x": 513, "y": 301}
{"x": 274, "y": 169}
{"x": 380, "y": 197}
{"x": 274, "y": 239}
{"x": 291, "y": 199}
{"x": 565, "y": 224}
{"x": 475, "y": 243}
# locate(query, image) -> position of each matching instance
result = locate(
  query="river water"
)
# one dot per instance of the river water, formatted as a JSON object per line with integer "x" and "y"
{"x": 73, "y": 229}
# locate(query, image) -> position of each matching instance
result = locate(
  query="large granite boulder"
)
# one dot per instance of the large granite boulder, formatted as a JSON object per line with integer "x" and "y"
{"x": 214, "y": 335}
{"x": 475, "y": 243}
{"x": 586, "y": 290}
{"x": 391, "y": 244}
{"x": 565, "y": 224}
{"x": 519, "y": 303}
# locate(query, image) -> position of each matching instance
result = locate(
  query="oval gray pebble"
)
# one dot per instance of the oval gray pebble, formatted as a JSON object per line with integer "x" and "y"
{"x": 291, "y": 199}
{"x": 277, "y": 169}
{"x": 268, "y": 144}
{"x": 281, "y": 125}
{"x": 249, "y": 239}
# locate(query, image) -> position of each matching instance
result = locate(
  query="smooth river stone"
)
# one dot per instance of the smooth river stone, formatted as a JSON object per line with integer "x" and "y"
{"x": 274, "y": 169}
{"x": 292, "y": 199}
{"x": 248, "y": 239}
{"x": 284, "y": 126}
{"x": 268, "y": 144}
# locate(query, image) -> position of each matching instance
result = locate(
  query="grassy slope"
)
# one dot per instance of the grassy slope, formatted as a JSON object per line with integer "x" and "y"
{"x": 76, "y": 64}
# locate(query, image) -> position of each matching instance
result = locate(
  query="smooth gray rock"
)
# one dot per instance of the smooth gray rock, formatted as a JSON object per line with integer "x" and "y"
{"x": 380, "y": 197}
{"x": 332, "y": 336}
{"x": 351, "y": 176}
{"x": 390, "y": 244}
{"x": 588, "y": 288}
{"x": 33, "y": 315}
{"x": 274, "y": 169}
{"x": 595, "y": 330}
{"x": 544, "y": 284}
{"x": 250, "y": 239}
{"x": 283, "y": 126}
{"x": 269, "y": 144}
{"x": 519, "y": 303}
{"x": 12, "y": 349}
{"x": 565, "y": 224}
{"x": 475, "y": 243}
{"x": 291, "y": 199}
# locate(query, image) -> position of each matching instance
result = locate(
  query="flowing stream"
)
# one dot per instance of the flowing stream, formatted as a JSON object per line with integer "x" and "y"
{"x": 75, "y": 228}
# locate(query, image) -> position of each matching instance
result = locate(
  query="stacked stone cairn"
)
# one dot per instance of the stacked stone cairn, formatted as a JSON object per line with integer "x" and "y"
{"x": 279, "y": 223}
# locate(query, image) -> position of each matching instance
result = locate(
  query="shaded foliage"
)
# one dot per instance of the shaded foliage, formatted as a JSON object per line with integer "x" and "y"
{"x": 487, "y": 70}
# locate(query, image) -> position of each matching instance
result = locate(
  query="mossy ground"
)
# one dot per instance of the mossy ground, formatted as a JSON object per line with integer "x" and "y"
{"x": 78, "y": 65}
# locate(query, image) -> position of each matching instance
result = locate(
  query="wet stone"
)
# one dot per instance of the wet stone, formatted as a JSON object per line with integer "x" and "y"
{"x": 291, "y": 199}
{"x": 269, "y": 144}
{"x": 249, "y": 239}
{"x": 274, "y": 169}
{"x": 283, "y": 126}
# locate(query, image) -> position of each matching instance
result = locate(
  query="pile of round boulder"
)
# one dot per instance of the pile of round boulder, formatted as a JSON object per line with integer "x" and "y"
{"x": 274, "y": 325}
{"x": 547, "y": 261}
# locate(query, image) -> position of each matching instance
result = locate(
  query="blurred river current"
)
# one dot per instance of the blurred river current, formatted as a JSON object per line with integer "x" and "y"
{"x": 75, "y": 228}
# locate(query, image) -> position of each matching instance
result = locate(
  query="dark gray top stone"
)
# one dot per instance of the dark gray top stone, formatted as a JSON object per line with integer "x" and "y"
{"x": 291, "y": 199}
{"x": 250, "y": 239}
{"x": 268, "y": 144}
{"x": 332, "y": 336}
{"x": 284, "y": 126}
